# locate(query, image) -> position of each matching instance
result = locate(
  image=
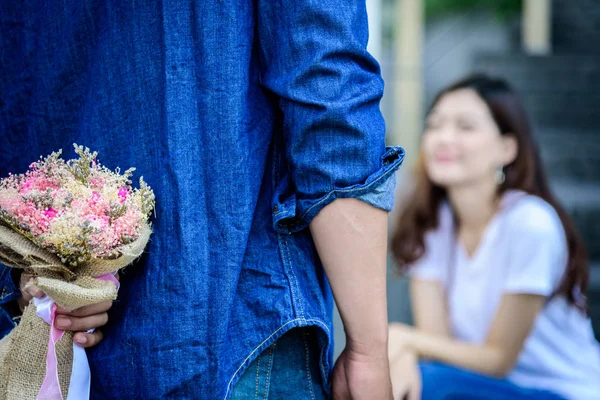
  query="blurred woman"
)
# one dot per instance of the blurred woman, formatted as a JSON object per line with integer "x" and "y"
{"x": 497, "y": 271}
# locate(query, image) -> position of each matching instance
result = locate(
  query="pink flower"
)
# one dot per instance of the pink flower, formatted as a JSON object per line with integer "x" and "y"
{"x": 50, "y": 213}
{"x": 53, "y": 202}
{"x": 123, "y": 194}
{"x": 97, "y": 183}
{"x": 98, "y": 222}
{"x": 95, "y": 197}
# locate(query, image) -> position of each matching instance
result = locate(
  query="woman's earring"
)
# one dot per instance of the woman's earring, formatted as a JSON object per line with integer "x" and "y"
{"x": 500, "y": 176}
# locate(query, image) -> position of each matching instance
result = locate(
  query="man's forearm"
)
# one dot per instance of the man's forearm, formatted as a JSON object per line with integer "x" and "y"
{"x": 351, "y": 239}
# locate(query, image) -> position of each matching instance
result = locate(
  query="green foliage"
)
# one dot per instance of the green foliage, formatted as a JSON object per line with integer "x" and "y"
{"x": 81, "y": 167}
{"x": 501, "y": 8}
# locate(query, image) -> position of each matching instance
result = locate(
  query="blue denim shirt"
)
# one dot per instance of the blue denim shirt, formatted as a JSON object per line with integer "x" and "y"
{"x": 246, "y": 118}
{"x": 9, "y": 293}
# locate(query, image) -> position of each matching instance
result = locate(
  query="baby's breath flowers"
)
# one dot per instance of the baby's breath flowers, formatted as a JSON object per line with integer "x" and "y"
{"x": 76, "y": 209}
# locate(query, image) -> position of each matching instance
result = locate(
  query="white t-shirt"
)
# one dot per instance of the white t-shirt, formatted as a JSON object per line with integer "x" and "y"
{"x": 523, "y": 250}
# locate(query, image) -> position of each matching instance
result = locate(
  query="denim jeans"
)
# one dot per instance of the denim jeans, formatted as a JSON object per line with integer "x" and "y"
{"x": 444, "y": 382}
{"x": 288, "y": 369}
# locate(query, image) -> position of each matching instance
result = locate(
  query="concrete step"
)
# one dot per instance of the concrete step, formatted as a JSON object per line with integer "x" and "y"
{"x": 575, "y": 26}
{"x": 544, "y": 74}
{"x": 594, "y": 297}
{"x": 568, "y": 111}
{"x": 595, "y": 277}
{"x": 574, "y": 195}
{"x": 582, "y": 202}
{"x": 557, "y": 90}
{"x": 570, "y": 154}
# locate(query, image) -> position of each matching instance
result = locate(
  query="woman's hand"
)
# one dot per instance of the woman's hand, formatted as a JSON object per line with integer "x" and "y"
{"x": 406, "y": 376}
{"x": 404, "y": 367}
{"x": 400, "y": 339}
{"x": 79, "y": 321}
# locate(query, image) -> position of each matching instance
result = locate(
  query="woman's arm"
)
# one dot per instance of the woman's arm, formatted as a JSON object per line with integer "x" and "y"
{"x": 428, "y": 304}
{"x": 496, "y": 356}
{"x": 429, "y": 308}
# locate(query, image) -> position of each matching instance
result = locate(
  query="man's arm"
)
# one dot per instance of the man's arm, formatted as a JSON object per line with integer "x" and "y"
{"x": 351, "y": 238}
{"x": 339, "y": 175}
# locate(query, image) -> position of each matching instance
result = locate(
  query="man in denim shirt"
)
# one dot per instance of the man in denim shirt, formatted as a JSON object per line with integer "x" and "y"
{"x": 257, "y": 124}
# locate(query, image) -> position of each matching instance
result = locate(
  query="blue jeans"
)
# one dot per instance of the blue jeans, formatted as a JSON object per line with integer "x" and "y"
{"x": 443, "y": 382}
{"x": 289, "y": 369}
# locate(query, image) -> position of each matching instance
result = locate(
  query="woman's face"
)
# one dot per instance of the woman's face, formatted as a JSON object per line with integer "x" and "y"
{"x": 462, "y": 144}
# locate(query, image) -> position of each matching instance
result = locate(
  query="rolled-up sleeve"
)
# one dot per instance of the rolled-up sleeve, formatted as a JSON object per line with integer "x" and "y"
{"x": 314, "y": 59}
{"x": 8, "y": 294}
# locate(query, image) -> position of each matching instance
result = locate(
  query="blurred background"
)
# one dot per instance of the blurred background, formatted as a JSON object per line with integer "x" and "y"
{"x": 549, "y": 50}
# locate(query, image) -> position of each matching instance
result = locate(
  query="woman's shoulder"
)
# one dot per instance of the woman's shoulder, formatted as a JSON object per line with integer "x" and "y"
{"x": 531, "y": 214}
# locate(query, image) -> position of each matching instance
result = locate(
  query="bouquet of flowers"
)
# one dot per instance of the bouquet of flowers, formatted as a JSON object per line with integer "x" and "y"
{"x": 72, "y": 225}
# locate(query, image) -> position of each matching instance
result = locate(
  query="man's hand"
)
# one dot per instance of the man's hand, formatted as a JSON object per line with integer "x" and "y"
{"x": 28, "y": 291}
{"x": 83, "y": 319}
{"x": 80, "y": 320}
{"x": 361, "y": 375}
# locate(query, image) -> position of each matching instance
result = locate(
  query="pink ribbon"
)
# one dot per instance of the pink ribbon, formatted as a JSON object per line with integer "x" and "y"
{"x": 50, "y": 389}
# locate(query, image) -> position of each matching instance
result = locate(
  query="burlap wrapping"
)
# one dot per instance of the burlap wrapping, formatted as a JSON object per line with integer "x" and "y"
{"x": 23, "y": 351}
{"x": 24, "y": 359}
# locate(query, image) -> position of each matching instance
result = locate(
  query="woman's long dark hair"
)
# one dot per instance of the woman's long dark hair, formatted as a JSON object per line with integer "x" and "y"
{"x": 524, "y": 173}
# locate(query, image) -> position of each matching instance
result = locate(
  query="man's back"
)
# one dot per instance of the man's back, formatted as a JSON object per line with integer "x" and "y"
{"x": 179, "y": 90}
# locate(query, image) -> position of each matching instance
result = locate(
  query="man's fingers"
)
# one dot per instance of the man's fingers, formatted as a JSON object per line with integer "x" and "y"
{"x": 86, "y": 311}
{"x": 75, "y": 324}
{"x": 340, "y": 388}
{"x": 25, "y": 277}
{"x": 88, "y": 339}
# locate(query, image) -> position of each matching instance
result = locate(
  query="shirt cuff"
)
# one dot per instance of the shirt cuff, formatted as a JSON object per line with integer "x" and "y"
{"x": 380, "y": 196}
{"x": 9, "y": 293}
{"x": 7, "y": 322}
{"x": 8, "y": 287}
{"x": 291, "y": 215}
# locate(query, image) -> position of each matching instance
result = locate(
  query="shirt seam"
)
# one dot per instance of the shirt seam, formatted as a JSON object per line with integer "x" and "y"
{"x": 307, "y": 321}
{"x": 287, "y": 264}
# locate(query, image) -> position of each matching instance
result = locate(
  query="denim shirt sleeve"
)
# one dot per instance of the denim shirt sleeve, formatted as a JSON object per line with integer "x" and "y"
{"x": 380, "y": 196}
{"x": 8, "y": 293}
{"x": 313, "y": 58}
